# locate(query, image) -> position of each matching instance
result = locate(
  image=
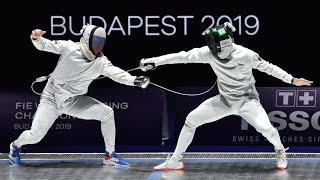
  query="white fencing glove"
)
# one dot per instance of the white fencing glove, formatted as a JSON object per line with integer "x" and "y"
{"x": 229, "y": 25}
{"x": 147, "y": 64}
{"x": 141, "y": 81}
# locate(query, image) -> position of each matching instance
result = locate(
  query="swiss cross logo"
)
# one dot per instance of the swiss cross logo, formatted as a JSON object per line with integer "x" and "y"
{"x": 296, "y": 98}
{"x": 306, "y": 98}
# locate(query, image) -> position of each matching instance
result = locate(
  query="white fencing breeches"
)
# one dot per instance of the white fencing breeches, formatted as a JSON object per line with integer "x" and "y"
{"x": 214, "y": 109}
{"x": 82, "y": 107}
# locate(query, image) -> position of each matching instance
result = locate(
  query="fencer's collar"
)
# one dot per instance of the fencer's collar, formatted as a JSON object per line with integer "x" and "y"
{"x": 225, "y": 53}
{"x": 86, "y": 52}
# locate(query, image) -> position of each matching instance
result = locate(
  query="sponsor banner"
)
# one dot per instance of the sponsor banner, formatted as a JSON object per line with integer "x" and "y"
{"x": 151, "y": 120}
{"x": 293, "y": 111}
{"x": 138, "y": 118}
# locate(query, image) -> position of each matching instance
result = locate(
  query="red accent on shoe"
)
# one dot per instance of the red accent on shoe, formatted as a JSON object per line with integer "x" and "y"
{"x": 281, "y": 168}
{"x": 169, "y": 169}
{"x": 107, "y": 157}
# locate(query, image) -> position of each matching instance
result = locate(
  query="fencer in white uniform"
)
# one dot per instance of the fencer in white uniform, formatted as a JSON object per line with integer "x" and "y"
{"x": 233, "y": 66}
{"x": 79, "y": 64}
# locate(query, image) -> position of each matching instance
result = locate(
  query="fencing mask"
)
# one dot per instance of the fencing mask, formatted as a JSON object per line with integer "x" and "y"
{"x": 92, "y": 41}
{"x": 219, "y": 40}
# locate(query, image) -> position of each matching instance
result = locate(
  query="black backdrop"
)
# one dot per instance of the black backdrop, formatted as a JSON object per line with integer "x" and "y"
{"x": 287, "y": 36}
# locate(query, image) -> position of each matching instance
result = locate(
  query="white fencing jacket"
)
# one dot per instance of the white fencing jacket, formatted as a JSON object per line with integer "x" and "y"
{"x": 234, "y": 77}
{"x": 74, "y": 73}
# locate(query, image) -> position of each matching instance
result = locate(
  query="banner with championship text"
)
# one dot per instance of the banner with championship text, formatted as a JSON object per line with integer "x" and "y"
{"x": 138, "y": 119}
{"x": 151, "y": 120}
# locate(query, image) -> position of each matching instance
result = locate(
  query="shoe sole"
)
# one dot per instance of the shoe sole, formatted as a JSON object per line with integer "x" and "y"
{"x": 12, "y": 162}
{"x": 281, "y": 168}
{"x": 168, "y": 169}
{"x": 111, "y": 163}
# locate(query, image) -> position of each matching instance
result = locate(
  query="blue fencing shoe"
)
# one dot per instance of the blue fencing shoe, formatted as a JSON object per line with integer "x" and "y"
{"x": 14, "y": 155}
{"x": 115, "y": 160}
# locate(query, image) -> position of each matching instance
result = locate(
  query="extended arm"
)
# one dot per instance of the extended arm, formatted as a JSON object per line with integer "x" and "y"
{"x": 123, "y": 77}
{"x": 196, "y": 55}
{"x": 275, "y": 71}
{"x": 44, "y": 44}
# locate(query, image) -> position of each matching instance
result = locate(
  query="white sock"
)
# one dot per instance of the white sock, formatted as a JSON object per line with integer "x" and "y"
{"x": 275, "y": 140}
{"x": 109, "y": 134}
{"x": 185, "y": 138}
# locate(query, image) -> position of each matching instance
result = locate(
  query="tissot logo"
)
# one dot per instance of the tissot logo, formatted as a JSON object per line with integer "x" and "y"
{"x": 294, "y": 110}
{"x": 296, "y": 98}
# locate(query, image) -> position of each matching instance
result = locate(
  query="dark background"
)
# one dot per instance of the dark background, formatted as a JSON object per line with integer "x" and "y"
{"x": 288, "y": 37}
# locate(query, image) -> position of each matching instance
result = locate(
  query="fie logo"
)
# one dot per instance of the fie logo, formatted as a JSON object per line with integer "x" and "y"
{"x": 296, "y": 98}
